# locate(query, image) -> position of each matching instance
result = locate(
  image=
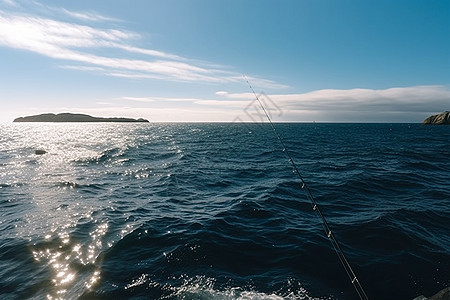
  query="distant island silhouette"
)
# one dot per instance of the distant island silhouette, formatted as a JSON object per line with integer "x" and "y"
{"x": 69, "y": 117}
{"x": 439, "y": 119}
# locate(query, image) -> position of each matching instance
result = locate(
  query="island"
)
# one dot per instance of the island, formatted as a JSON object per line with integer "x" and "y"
{"x": 439, "y": 119}
{"x": 69, "y": 117}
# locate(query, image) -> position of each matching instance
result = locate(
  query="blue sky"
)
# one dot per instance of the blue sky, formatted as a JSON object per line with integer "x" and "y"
{"x": 315, "y": 60}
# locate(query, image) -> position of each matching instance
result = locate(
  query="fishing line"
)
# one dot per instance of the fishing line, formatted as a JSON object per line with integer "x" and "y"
{"x": 340, "y": 253}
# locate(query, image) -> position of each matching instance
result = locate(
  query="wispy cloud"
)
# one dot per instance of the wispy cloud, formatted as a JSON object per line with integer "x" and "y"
{"x": 85, "y": 16}
{"x": 84, "y": 45}
{"x": 416, "y": 98}
{"x": 341, "y": 105}
{"x": 401, "y": 99}
{"x": 44, "y": 9}
{"x": 161, "y": 99}
{"x": 138, "y": 99}
{"x": 402, "y": 104}
{"x": 9, "y": 2}
{"x": 83, "y": 68}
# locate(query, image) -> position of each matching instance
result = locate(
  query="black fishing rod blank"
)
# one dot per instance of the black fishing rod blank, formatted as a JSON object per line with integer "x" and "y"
{"x": 329, "y": 233}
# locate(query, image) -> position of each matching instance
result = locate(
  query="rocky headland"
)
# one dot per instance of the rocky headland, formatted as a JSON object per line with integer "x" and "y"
{"x": 439, "y": 119}
{"x": 69, "y": 117}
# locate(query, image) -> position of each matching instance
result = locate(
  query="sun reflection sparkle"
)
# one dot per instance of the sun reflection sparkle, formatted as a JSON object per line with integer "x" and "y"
{"x": 68, "y": 233}
{"x": 60, "y": 256}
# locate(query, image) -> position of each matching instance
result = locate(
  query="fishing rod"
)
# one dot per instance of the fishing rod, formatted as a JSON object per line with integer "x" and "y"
{"x": 340, "y": 253}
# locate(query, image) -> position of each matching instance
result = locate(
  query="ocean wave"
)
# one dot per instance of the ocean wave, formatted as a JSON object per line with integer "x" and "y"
{"x": 216, "y": 211}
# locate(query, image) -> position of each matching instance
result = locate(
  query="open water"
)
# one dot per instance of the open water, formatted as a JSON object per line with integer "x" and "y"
{"x": 215, "y": 211}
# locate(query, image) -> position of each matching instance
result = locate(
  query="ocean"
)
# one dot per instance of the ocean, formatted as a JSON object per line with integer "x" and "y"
{"x": 216, "y": 211}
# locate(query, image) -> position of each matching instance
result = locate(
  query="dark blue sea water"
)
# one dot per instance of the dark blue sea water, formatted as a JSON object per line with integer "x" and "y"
{"x": 215, "y": 211}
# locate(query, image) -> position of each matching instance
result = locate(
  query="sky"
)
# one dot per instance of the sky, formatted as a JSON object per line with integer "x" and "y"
{"x": 198, "y": 60}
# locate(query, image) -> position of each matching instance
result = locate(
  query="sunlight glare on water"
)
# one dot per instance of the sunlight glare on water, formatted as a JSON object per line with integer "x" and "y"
{"x": 210, "y": 211}
{"x": 51, "y": 179}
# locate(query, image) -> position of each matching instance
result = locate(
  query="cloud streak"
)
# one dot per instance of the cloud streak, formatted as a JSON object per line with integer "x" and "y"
{"x": 85, "y": 16}
{"x": 9, "y": 2}
{"x": 348, "y": 105}
{"x": 400, "y": 98}
{"x": 416, "y": 98}
{"x": 80, "y": 44}
{"x": 403, "y": 104}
